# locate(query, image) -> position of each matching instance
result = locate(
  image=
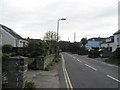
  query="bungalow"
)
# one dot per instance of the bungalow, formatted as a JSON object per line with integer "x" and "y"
{"x": 8, "y": 36}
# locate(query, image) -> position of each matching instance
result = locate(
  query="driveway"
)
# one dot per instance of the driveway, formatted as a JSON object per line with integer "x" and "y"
{"x": 44, "y": 79}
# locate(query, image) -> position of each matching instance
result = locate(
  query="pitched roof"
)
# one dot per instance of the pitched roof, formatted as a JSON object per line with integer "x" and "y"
{"x": 10, "y": 31}
{"x": 118, "y": 32}
{"x": 97, "y": 39}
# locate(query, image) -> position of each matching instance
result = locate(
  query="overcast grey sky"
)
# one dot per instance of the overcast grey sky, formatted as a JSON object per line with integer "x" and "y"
{"x": 86, "y": 18}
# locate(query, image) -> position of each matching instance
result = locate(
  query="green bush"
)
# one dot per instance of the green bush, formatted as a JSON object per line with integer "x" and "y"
{"x": 30, "y": 84}
{"x": 30, "y": 60}
{"x": 55, "y": 60}
{"x": 35, "y": 49}
{"x": 6, "y": 48}
{"x": 82, "y": 51}
{"x": 94, "y": 53}
{"x": 116, "y": 54}
{"x": 115, "y": 58}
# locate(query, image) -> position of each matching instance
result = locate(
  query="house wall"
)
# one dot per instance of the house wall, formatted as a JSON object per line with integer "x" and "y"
{"x": 106, "y": 45}
{"x": 117, "y": 40}
{"x": 7, "y": 38}
{"x": 21, "y": 43}
{"x": 91, "y": 44}
{"x": 0, "y": 38}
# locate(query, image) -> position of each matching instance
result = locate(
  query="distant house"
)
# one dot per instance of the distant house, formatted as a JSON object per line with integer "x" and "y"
{"x": 113, "y": 42}
{"x": 94, "y": 43}
{"x": 35, "y": 40}
{"x": 109, "y": 44}
{"x": 8, "y": 36}
{"x": 117, "y": 38}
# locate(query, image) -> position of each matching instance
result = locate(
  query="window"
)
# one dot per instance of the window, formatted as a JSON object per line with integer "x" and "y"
{"x": 110, "y": 49}
{"x": 117, "y": 39}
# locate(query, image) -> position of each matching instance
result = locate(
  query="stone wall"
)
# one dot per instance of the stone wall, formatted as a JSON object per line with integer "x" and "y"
{"x": 48, "y": 59}
{"x": 17, "y": 68}
{"x": 43, "y": 61}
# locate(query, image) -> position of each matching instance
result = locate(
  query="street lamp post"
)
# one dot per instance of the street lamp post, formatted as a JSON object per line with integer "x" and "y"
{"x": 57, "y": 51}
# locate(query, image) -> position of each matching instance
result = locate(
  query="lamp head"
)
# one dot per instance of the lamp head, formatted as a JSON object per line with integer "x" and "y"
{"x": 63, "y": 19}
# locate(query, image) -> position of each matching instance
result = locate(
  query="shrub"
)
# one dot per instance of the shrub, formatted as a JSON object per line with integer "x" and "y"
{"x": 6, "y": 48}
{"x": 55, "y": 60}
{"x": 30, "y": 84}
{"x": 94, "y": 54}
{"x": 117, "y": 53}
{"x": 82, "y": 51}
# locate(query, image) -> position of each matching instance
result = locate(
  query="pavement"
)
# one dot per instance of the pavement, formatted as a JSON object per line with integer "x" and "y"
{"x": 44, "y": 79}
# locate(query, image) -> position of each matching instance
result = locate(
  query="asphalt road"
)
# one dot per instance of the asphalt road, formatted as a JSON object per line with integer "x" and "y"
{"x": 83, "y": 72}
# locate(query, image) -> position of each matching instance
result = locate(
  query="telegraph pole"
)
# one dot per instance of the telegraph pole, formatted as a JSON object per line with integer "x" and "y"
{"x": 74, "y": 37}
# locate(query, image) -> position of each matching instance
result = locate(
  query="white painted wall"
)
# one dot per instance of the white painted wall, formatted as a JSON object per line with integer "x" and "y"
{"x": 7, "y": 38}
{"x": 22, "y": 43}
{"x": 115, "y": 44}
{"x": 105, "y": 45}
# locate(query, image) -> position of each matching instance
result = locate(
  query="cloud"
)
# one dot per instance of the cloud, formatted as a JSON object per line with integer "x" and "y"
{"x": 32, "y": 18}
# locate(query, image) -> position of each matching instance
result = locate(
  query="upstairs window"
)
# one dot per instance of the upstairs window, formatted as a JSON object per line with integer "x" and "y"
{"x": 117, "y": 39}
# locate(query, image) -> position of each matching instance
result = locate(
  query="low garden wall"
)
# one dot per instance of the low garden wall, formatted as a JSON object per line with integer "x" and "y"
{"x": 41, "y": 62}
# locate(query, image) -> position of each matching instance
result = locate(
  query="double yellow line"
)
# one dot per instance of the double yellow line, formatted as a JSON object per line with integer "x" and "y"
{"x": 67, "y": 79}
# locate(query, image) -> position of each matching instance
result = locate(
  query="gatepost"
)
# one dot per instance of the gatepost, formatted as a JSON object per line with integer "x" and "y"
{"x": 17, "y": 69}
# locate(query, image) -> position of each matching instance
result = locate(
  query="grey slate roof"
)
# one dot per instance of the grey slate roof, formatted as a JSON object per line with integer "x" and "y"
{"x": 97, "y": 39}
{"x": 118, "y": 32}
{"x": 10, "y": 31}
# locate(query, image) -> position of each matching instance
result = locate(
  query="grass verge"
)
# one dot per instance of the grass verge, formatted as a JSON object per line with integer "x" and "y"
{"x": 113, "y": 61}
{"x": 30, "y": 60}
{"x": 30, "y": 84}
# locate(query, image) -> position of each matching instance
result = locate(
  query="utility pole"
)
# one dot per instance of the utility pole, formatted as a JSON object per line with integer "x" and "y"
{"x": 74, "y": 37}
{"x": 57, "y": 50}
{"x": 68, "y": 39}
{"x": 0, "y": 59}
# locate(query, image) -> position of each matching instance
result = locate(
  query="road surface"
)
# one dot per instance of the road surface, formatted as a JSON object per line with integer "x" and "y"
{"x": 83, "y": 72}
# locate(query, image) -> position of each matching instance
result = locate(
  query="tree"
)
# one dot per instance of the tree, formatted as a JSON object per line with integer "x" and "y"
{"x": 36, "y": 48}
{"x": 51, "y": 36}
{"x": 84, "y": 41}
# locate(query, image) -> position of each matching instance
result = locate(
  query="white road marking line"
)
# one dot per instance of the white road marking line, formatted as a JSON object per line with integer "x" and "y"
{"x": 79, "y": 60}
{"x": 91, "y": 67}
{"x": 113, "y": 78}
{"x": 64, "y": 73}
{"x": 67, "y": 79}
